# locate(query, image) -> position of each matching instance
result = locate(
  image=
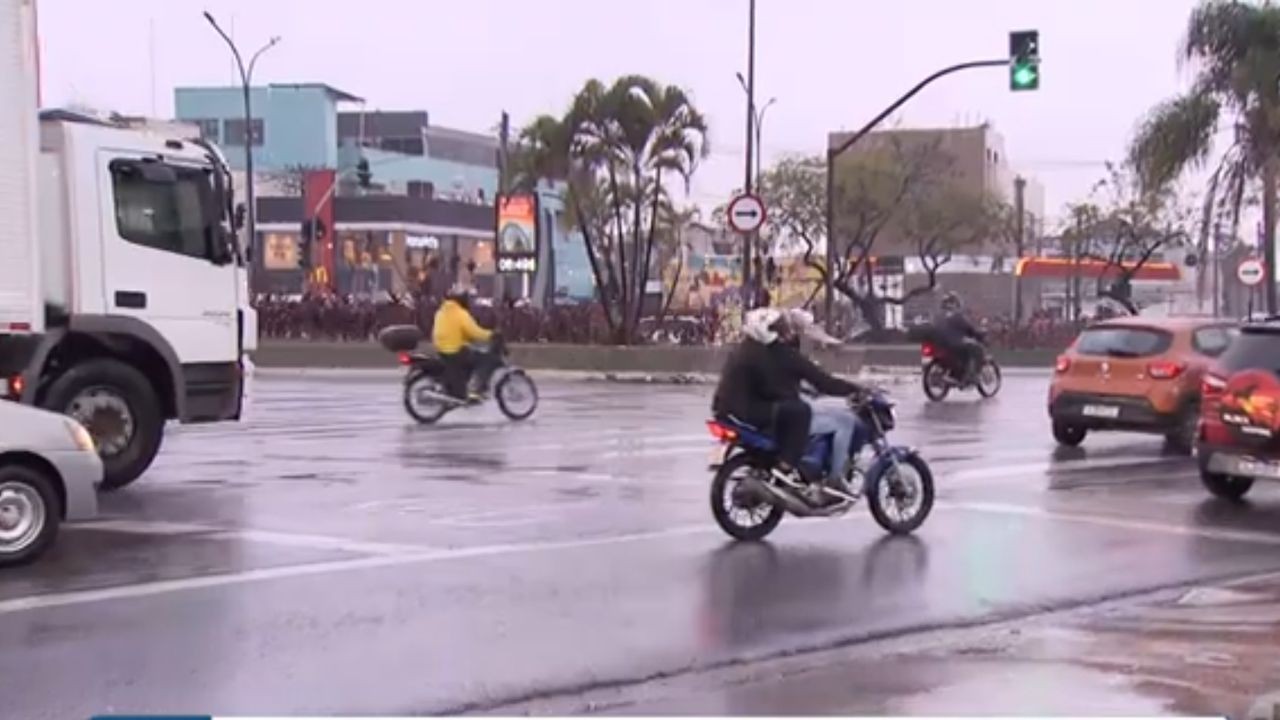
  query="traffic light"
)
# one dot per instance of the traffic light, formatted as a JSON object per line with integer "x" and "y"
{"x": 1024, "y": 60}
{"x": 305, "y": 237}
{"x": 363, "y": 175}
{"x": 313, "y": 231}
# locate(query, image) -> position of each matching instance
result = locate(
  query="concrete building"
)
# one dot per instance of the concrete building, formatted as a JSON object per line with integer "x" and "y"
{"x": 977, "y": 165}
{"x": 409, "y": 155}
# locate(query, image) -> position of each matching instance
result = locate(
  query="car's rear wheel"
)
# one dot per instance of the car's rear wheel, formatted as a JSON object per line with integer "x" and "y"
{"x": 1227, "y": 487}
{"x": 1068, "y": 434}
{"x": 1182, "y": 438}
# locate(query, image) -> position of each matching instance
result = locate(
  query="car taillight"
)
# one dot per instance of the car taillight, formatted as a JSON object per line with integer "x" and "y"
{"x": 1062, "y": 365}
{"x": 1212, "y": 385}
{"x": 14, "y": 386}
{"x": 720, "y": 432}
{"x": 1165, "y": 369}
{"x": 926, "y": 350}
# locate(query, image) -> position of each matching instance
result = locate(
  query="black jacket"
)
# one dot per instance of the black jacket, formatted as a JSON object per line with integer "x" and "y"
{"x": 757, "y": 376}
{"x": 955, "y": 328}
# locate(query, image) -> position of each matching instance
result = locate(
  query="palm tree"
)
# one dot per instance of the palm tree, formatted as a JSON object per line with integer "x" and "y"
{"x": 1235, "y": 47}
{"x": 615, "y": 148}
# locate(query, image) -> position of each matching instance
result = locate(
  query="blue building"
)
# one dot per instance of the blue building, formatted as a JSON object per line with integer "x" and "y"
{"x": 310, "y": 125}
{"x": 293, "y": 125}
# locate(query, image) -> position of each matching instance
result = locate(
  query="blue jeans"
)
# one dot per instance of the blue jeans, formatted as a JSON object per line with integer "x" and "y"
{"x": 841, "y": 425}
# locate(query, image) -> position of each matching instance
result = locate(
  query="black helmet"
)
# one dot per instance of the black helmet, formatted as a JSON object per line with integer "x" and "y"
{"x": 460, "y": 294}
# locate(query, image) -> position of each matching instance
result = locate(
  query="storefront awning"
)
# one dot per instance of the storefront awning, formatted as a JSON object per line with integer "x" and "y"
{"x": 1062, "y": 268}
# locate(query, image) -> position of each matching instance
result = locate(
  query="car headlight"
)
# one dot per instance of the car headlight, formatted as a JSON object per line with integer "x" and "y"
{"x": 81, "y": 437}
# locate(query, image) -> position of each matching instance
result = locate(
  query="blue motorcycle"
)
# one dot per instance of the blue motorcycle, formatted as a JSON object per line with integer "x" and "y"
{"x": 748, "y": 500}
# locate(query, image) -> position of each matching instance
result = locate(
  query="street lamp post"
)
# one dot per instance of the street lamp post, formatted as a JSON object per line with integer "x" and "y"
{"x": 750, "y": 86}
{"x": 758, "y": 115}
{"x": 246, "y": 78}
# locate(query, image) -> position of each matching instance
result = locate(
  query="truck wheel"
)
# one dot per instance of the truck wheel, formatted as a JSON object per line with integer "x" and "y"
{"x": 29, "y": 514}
{"x": 120, "y": 410}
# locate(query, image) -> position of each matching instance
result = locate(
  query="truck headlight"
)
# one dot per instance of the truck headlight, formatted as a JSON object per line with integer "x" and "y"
{"x": 81, "y": 437}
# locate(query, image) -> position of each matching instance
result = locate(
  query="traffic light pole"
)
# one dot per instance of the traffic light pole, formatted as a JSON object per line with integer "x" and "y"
{"x": 835, "y": 152}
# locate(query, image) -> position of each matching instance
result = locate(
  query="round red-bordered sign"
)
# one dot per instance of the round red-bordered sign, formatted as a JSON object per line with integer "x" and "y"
{"x": 746, "y": 213}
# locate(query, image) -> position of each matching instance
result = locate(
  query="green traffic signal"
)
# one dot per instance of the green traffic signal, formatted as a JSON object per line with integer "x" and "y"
{"x": 1025, "y": 75}
{"x": 1024, "y": 60}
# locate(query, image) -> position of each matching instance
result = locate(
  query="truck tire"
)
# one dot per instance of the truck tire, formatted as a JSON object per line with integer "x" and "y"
{"x": 30, "y": 513}
{"x": 120, "y": 409}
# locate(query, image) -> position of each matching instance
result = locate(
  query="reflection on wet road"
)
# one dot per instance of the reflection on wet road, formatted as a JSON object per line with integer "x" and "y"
{"x": 481, "y": 561}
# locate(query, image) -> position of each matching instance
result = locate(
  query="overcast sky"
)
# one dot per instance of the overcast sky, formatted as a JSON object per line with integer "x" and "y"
{"x": 832, "y": 64}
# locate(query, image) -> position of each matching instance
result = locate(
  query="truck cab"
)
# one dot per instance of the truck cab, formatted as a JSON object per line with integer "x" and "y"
{"x": 143, "y": 312}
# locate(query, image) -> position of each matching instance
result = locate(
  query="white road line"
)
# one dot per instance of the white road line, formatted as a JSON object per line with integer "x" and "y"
{"x": 1115, "y": 522}
{"x": 218, "y": 532}
{"x": 162, "y": 587}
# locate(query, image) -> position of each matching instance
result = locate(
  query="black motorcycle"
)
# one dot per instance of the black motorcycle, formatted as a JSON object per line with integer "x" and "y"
{"x": 426, "y": 397}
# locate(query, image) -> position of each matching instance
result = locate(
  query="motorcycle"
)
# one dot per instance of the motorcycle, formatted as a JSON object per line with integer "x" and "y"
{"x": 425, "y": 396}
{"x": 749, "y": 501}
{"x": 941, "y": 374}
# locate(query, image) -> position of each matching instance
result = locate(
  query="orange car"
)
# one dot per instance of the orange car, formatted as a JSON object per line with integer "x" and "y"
{"x": 1136, "y": 374}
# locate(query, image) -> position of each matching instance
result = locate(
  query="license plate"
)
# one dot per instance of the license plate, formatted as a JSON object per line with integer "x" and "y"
{"x": 717, "y": 456}
{"x": 1101, "y": 411}
{"x": 1258, "y": 468}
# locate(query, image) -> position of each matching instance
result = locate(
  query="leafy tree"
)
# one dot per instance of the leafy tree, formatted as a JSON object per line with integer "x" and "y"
{"x": 1124, "y": 225}
{"x": 1235, "y": 50}
{"x": 890, "y": 193}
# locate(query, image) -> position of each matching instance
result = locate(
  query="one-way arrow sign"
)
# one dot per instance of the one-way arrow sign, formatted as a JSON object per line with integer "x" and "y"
{"x": 746, "y": 213}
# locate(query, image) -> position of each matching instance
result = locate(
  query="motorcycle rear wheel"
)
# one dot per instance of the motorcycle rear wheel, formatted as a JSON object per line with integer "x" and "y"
{"x": 935, "y": 380}
{"x": 725, "y": 500}
{"x": 425, "y": 411}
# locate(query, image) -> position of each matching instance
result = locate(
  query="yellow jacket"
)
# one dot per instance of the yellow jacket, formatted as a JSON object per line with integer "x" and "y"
{"x": 454, "y": 329}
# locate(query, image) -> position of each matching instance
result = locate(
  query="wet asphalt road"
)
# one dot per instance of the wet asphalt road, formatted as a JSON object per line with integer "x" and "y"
{"x": 329, "y": 557}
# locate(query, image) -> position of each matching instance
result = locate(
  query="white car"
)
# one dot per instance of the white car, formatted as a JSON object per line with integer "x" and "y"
{"x": 49, "y": 472}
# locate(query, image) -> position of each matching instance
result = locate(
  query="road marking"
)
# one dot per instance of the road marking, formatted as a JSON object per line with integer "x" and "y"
{"x": 163, "y": 587}
{"x": 1116, "y": 522}
{"x": 218, "y": 532}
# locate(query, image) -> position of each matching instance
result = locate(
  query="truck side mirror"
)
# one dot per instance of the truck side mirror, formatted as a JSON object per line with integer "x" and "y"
{"x": 238, "y": 218}
{"x": 222, "y": 250}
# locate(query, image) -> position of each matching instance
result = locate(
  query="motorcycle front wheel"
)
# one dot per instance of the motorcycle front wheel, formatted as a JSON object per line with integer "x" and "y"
{"x": 738, "y": 511}
{"x": 901, "y": 496}
{"x": 419, "y": 400}
{"x": 989, "y": 379}
{"x": 936, "y": 381}
{"x": 517, "y": 395}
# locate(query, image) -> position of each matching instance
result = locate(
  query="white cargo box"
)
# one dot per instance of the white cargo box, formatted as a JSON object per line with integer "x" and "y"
{"x": 21, "y": 301}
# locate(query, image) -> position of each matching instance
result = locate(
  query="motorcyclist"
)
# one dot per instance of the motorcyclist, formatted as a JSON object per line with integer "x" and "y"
{"x": 961, "y": 339}
{"x": 452, "y": 334}
{"x": 760, "y": 385}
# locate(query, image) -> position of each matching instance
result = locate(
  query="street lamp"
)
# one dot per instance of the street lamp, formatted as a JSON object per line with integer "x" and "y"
{"x": 246, "y": 77}
{"x": 758, "y": 113}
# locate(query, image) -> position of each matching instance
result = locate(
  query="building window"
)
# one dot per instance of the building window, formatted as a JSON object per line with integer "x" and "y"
{"x": 462, "y": 151}
{"x": 209, "y": 129}
{"x": 175, "y": 214}
{"x": 233, "y": 132}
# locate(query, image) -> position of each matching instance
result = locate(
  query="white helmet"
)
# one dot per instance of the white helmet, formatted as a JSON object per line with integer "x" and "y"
{"x": 759, "y": 325}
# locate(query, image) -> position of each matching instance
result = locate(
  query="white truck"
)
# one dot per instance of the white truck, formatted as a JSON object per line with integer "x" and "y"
{"x": 123, "y": 287}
